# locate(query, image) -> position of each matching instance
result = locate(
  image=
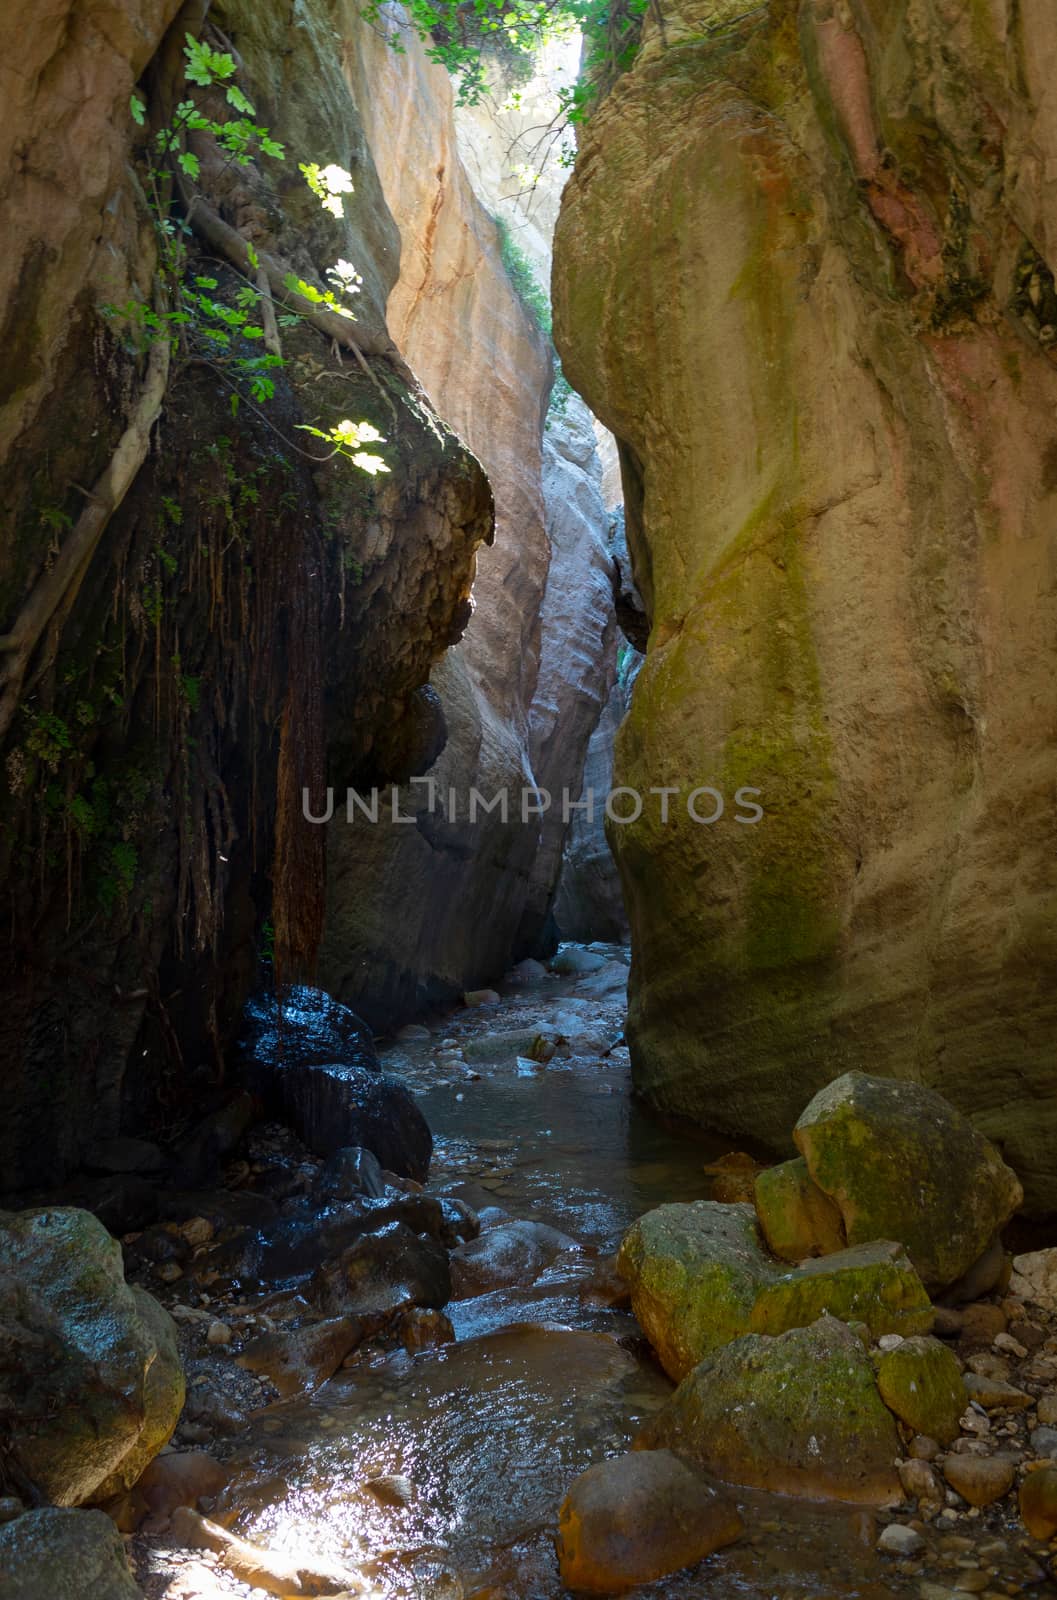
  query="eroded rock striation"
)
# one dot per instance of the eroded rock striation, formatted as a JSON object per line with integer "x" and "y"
{"x": 804, "y": 272}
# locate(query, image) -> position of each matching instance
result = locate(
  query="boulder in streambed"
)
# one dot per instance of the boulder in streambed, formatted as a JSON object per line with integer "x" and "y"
{"x": 55, "y": 1554}
{"x": 920, "y": 1381}
{"x": 874, "y": 1284}
{"x": 796, "y": 1218}
{"x": 383, "y": 1271}
{"x": 695, "y": 1273}
{"x": 514, "y": 1253}
{"x": 900, "y": 1163}
{"x": 91, "y": 1385}
{"x": 637, "y": 1518}
{"x": 313, "y": 1063}
{"x": 797, "y": 1414}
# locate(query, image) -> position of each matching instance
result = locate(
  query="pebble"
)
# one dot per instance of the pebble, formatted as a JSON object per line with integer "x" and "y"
{"x": 1047, "y": 1408}
{"x": 922, "y": 1448}
{"x": 980, "y": 1479}
{"x": 219, "y": 1333}
{"x": 919, "y": 1480}
{"x": 168, "y": 1271}
{"x": 391, "y": 1489}
{"x": 899, "y": 1540}
{"x": 889, "y": 1341}
{"x": 993, "y": 1394}
{"x": 1009, "y": 1346}
{"x": 1044, "y": 1442}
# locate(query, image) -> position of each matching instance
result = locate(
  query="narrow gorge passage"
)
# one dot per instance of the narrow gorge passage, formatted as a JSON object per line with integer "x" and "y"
{"x": 528, "y": 800}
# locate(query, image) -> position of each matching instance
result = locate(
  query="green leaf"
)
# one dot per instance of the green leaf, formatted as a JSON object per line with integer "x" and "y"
{"x": 234, "y": 405}
{"x": 206, "y": 283}
{"x": 237, "y": 99}
{"x": 138, "y": 109}
{"x": 252, "y": 257}
{"x": 189, "y": 163}
{"x": 272, "y": 148}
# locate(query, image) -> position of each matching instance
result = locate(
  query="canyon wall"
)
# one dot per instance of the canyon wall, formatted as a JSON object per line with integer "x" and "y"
{"x": 253, "y": 614}
{"x": 421, "y": 908}
{"x": 805, "y": 273}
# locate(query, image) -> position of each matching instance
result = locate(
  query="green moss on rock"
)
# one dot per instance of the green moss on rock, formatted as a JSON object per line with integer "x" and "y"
{"x": 798, "y": 1414}
{"x": 901, "y": 1163}
{"x": 797, "y": 1219}
{"x": 874, "y": 1284}
{"x": 921, "y": 1382}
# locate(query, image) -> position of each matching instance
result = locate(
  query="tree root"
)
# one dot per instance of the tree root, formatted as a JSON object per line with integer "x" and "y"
{"x": 57, "y": 587}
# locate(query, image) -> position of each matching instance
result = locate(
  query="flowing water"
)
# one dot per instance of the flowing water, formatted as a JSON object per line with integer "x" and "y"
{"x": 542, "y": 1381}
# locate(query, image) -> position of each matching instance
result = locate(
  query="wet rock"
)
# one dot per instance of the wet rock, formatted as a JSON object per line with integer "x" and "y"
{"x": 304, "y": 1027}
{"x": 332, "y": 1105}
{"x": 392, "y": 1489}
{"x": 298, "y": 1360}
{"x": 605, "y": 1288}
{"x": 535, "y": 1044}
{"x": 921, "y": 1382}
{"x": 637, "y": 1518}
{"x": 796, "y": 1218}
{"x": 980, "y": 1479}
{"x": 511, "y": 1253}
{"x": 899, "y": 1540}
{"x": 873, "y": 1283}
{"x": 286, "y": 1574}
{"x": 922, "y": 1448}
{"x": 223, "y": 1208}
{"x": 351, "y": 1172}
{"x": 422, "y": 1329}
{"x": 64, "y": 1555}
{"x": 90, "y": 1382}
{"x": 1038, "y": 1503}
{"x": 460, "y": 1223}
{"x": 295, "y": 1246}
{"x": 573, "y": 961}
{"x": 1044, "y": 1442}
{"x": 695, "y": 1273}
{"x": 384, "y": 1270}
{"x": 901, "y": 1163}
{"x": 412, "y": 1033}
{"x": 797, "y": 1414}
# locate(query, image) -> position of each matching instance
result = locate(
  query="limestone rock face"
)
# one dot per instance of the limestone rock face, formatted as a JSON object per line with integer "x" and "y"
{"x": 537, "y": 650}
{"x": 90, "y": 1381}
{"x": 900, "y": 1163}
{"x": 827, "y": 361}
{"x": 799, "y": 1414}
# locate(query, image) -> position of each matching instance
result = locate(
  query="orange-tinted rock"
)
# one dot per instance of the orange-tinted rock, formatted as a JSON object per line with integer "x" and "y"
{"x": 637, "y": 1518}
{"x": 1038, "y": 1503}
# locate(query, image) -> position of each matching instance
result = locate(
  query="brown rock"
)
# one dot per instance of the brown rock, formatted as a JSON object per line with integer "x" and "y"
{"x": 422, "y": 1328}
{"x": 733, "y": 1178}
{"x": 179, "y": 1478}
{"x": 797, "y": 1219}
{"x": 1038, "y": 1503}
{"x": 920, "y": 1481}
{"x": 298, "y": 1361}
{"x": 994, "y": 1395}
{"x": 979, "y": 1479}
{"x": 980, "y": 1323}
{"x": 637, "y": 1518}
{"x": 287, "y": 1575}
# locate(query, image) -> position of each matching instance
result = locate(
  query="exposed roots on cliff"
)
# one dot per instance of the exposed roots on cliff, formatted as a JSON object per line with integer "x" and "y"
{"x": 57, "y": 587}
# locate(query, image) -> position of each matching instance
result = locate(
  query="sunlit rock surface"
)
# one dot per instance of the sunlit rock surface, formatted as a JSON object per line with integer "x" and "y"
{"x": 804, "y": 272}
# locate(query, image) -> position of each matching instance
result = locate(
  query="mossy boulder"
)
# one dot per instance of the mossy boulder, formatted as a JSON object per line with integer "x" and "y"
{"x": 695, "y": 1273}
{"x": 57, "y": 1554}
{"x": 90, "y": 1381}
{"x": 921, "y": 1382}
{"x": 874, "y": 1284}
{"x": 796, "y": 1218}
{"x": 637, "y": 1518}
{"x": 901, "y": 1163}
{"x": 798, "y": 1414}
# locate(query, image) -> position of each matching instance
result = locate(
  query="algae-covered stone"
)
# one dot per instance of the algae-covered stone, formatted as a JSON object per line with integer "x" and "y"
{"x": 797, "y": 1219}
{"x": 874, "y": 1284}
{"x": 920, "y": 1381}
{"x": 638, "y": 1518}
{"x": 695, "y": 1272}
{"x": 797, "y": 1414}
{"x": 64, "y": 1555}
{"x": 90, "y": 1381}
{"x": 1038, "y": 1503}
{"x": 901, "y": 1163}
